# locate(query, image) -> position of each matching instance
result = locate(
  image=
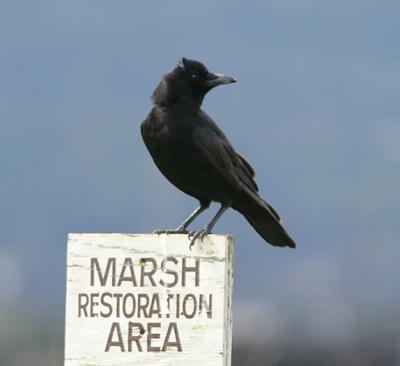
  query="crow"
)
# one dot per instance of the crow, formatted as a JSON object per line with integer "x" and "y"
{"x": 194, "y": 154}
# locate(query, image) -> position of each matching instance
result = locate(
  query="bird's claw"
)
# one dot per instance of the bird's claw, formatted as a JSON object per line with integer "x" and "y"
{"x": 176, "y": 231}
{"x": 194, "y": 235}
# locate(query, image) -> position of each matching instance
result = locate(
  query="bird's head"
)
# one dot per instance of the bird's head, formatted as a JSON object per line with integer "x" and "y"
{"x": 189, "y": 80}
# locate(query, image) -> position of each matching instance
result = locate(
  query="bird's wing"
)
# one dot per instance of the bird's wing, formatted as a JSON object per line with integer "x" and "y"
{"x": 221, "y": 156}
{"x": 245, "y": 162}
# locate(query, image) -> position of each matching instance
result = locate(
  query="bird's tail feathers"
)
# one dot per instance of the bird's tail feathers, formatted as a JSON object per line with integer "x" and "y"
{"x": 263, "y": 218}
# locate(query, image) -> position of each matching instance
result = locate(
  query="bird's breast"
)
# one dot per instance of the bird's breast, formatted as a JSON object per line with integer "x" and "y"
{"x": 164, "y": 141}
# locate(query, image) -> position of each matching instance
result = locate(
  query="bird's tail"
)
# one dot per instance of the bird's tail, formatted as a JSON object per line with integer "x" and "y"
{"x": 264, "y": 219}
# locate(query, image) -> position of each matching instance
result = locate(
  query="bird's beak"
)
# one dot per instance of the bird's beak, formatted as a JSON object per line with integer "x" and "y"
{"x": 218, "y": 79}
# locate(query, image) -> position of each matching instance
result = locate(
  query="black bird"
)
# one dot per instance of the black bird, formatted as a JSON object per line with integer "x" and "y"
{"x": 195, "y": 156}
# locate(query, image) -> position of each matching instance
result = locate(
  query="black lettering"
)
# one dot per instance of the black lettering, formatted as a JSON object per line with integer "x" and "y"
{"x": 169, "y": 271}
{"x": 142, "y": 305}
{"x": 184, "y": 306}
{"x": 195, "y": 269}
{"x": 132, "y": 306}
{"x": 151, "y": 336}
{"x": 155, "y": 307}
{"x": 131, "y": 276}
{"x": 93, "y": 303}
{"x": 83, "y": 305}
{"x": 172, "y": 328}
{"x": 119, "y": 343}
{"x": 95, "y": 268}
{"x": 144, "y": 273}
{"x": 207, "y": 305}
{"x": 178, "y": 310}
{"x": 169, "y": 297}
{"x": 135, "y": 338}
{"x": 118, "y": 297}
{"x": 106, "y": 304}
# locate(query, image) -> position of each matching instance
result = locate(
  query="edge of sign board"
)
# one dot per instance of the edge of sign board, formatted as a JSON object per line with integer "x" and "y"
{"x": 228, "y": 241}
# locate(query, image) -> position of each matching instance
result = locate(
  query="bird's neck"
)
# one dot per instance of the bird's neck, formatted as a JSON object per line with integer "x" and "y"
{"x": 181, "y": 104}
{"x": 188, "y": 104}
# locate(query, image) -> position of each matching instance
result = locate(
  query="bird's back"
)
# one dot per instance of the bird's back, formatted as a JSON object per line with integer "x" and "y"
{"x": 195, "y": 155}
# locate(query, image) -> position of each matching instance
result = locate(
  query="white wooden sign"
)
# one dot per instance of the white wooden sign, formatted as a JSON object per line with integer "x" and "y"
{"x": 148, "y": 300}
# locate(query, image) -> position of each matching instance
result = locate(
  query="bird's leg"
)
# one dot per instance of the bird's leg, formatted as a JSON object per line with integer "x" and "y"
{"x": 192, "y": 216}
{"x": 207, "y": 229}
{"x": 182, "y": 228}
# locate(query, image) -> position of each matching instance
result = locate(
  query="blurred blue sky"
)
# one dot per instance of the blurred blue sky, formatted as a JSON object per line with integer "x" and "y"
{"x": 316, "y": 110}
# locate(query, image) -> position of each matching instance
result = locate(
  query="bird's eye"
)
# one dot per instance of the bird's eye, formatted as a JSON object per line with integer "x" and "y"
{"x": 194, "y": 76}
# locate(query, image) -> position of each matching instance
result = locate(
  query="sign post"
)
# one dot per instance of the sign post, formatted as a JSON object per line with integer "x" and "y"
{"x": 148, "y": 300}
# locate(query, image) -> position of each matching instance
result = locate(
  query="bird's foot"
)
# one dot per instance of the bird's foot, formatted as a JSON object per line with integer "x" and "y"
{"x": 194, "y": 235}
{"x": 178, "y": 230}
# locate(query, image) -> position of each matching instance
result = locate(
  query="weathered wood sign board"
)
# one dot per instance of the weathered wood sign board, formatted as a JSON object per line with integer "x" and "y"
{"x": 148, "y": 300}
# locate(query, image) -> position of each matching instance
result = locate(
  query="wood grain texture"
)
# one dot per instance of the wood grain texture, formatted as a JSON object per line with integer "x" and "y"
{"x": 193, "y": 290}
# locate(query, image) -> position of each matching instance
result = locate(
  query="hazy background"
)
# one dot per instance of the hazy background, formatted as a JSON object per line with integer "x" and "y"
{"x": 316, "y": 110}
